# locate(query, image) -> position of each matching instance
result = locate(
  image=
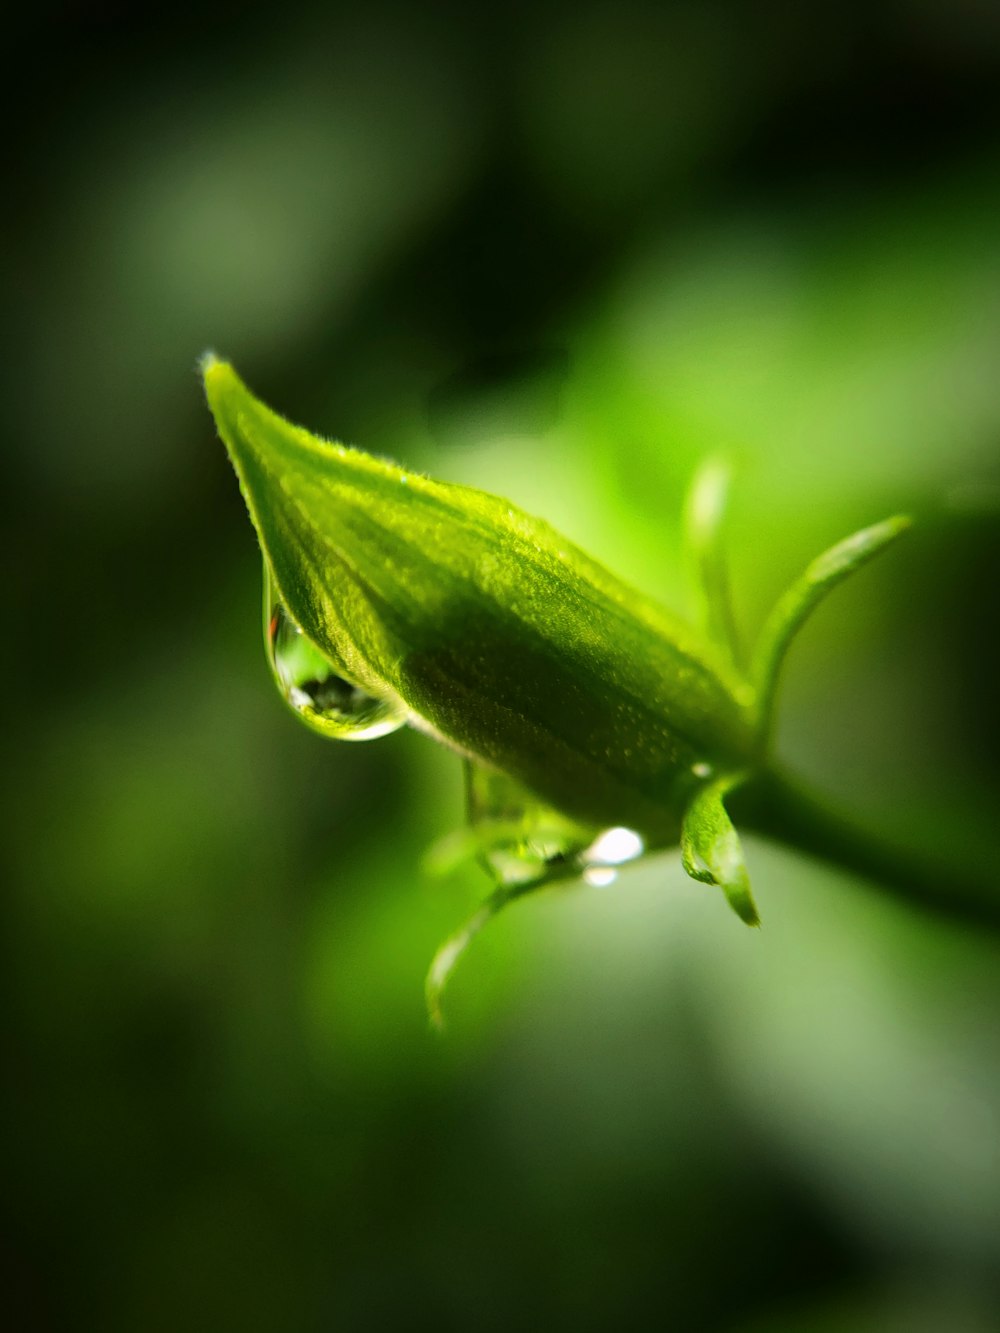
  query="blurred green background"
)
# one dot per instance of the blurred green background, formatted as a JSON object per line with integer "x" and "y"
{"x": 560, "y": 251}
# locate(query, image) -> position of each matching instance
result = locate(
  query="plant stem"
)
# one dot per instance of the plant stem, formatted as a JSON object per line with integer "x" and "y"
{"x": 778, "y": 808}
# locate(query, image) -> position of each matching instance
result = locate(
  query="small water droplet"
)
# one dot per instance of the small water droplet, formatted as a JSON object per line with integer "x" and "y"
{"x": 312, "y": 685}
{"x": 701, "y": 770}
{"x": 599, "y": 877}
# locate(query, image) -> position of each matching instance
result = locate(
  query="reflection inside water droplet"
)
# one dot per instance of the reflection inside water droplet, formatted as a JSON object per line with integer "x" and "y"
{"x": 312, "y": 685}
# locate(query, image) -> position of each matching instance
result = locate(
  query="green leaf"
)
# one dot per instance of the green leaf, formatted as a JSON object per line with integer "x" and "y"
{"x": 711, "y": 850}
{"x": 450, "y": 952}
{"x": 446, "y": 958}
{"x": 802, "y": 598}
{"x": 704, "y": 533}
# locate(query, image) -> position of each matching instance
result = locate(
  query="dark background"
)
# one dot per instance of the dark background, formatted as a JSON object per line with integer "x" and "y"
{"x": 561, "y": 252}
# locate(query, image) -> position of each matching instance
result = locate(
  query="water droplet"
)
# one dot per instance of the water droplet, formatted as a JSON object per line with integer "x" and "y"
{"x": 701, "y": 770}
{"x": 312, "y": 685}
{"x": 599, "y": 877}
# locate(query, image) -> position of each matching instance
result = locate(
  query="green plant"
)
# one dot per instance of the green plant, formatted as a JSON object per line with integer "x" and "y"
{"x": 594, "y": 725}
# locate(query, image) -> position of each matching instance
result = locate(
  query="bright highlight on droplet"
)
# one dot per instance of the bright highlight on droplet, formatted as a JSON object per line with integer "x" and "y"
{"x": 599, "y": 877}
{"x": 614, "y": 846}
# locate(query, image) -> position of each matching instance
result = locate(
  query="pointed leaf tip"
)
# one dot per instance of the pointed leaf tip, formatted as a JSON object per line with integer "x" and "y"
{"x": 856, "y": 550}
{"x": 215, "y": 374}
{"x": 711, "y": 849}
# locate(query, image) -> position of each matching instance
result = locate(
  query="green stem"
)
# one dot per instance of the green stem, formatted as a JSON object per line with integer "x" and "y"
{"x": 778, "y": 808}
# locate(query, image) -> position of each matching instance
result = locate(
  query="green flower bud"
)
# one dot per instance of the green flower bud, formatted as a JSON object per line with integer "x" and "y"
{"x": 455, "y": 611}
{"x": 495, "y": 633}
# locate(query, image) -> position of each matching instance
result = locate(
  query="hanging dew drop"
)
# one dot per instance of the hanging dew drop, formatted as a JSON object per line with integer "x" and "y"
{"x": 311, "y": 685}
